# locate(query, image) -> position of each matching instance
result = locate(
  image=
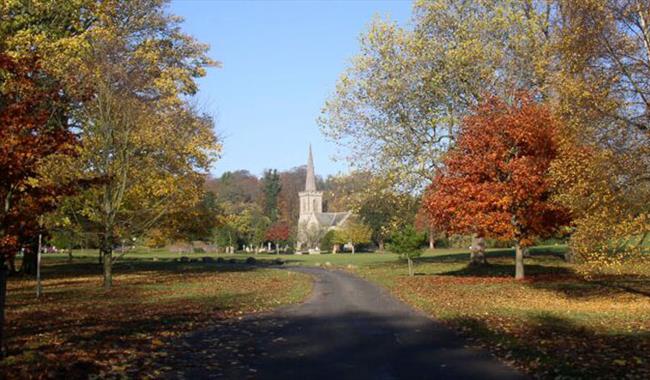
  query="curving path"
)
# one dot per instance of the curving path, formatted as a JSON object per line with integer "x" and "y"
{"x": 348, "y": 329}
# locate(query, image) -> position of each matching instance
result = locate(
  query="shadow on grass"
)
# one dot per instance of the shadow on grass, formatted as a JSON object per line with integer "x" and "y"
{"x": 507, "y": 270}
{"x": 560, "y": 279}
{"x": 63, "y": 269}
{"x": 535, "y": 252}
{"x": 550, "y": 346}
{"x": 87, "y": 340}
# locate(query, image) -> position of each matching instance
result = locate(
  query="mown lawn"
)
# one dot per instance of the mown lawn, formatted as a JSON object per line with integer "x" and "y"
{"x": 76, "y": 328}
{"x": 555, "y": 324}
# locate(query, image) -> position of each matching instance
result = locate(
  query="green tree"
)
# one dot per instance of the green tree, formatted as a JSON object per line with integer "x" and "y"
{"x": 407, "y": 243}
{"x": 271, "y": 188}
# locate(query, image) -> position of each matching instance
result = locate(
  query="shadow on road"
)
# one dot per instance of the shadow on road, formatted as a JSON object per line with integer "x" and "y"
{"x": 348, "y": 329}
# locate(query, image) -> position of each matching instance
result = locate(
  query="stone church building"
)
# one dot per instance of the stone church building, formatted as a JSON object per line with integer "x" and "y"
{"x": 313, "y": 223}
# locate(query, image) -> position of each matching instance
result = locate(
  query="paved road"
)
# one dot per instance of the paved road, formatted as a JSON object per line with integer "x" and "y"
{"x": 348, "y": 329}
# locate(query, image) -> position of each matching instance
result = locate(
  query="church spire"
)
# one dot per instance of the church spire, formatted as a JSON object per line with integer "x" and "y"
{"x": 310, "y": 182}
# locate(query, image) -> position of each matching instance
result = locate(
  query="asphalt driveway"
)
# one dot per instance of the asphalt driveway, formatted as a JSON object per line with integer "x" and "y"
{"x": 348, "y": 329}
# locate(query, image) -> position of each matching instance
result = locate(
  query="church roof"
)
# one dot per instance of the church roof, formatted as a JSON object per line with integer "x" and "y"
{"x": 331, "y": 219}
{"x": 310, "y": 182}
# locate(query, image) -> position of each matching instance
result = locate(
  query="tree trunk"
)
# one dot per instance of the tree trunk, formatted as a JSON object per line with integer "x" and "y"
{"x": 519, "y": 262}
{"x": 11, "y": 262}
{"x": 568, "y": 257}
{"x": 335, "y": 248}
{"x": 410, "y": 262}
{"x": 352, "y": 248}
{"x": 432, "y": 241}
{"x": 277, "y": 248}
{"x": 381, "y": 245}
{"x": 28, "y": 265}
{"x": 106, "y": 252}
{"x": 477, "y": 251}
{"x": 3, "y": 297}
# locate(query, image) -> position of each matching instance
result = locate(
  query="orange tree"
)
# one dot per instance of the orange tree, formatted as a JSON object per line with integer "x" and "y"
{"x": 34, "y": 127}
{"x": 277, "y": 233}
{"x": 494, "y": 181}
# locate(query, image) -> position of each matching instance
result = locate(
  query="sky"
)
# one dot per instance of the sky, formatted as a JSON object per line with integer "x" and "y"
{"x": 280, "y": 62}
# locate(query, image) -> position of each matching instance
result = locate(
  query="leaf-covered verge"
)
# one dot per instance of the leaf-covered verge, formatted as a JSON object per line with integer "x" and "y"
{"x": 555, "y": 324}
{"x": 77, "y": 329}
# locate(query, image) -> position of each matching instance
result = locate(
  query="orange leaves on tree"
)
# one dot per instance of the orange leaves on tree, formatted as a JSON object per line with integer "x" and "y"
{"x": 34, "y": 126}
{"x": 279, "y": 231}
{"x": 494, "y": 181}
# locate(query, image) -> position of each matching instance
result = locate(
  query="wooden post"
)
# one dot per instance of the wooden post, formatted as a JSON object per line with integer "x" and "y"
{"x": 39, "y": 289}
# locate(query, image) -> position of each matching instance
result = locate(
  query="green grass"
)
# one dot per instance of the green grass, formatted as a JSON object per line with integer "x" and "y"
{"x": 339, "y": 259}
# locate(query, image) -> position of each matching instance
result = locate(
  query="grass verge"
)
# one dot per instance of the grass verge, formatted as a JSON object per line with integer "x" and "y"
{"x": 76, "y": 328}
{"x": 554, "y": 324}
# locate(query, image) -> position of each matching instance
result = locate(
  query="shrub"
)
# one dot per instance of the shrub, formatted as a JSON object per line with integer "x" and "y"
{"x": 407, "y": 244}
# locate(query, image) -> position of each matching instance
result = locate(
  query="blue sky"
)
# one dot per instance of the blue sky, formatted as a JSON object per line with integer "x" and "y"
{"x": 281, "y": 60}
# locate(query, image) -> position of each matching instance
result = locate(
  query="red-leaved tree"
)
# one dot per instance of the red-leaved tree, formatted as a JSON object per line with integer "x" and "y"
{"x": 278, "y": 232}
{"x": 33, "y": 126}
{"x": 494, "y": 182}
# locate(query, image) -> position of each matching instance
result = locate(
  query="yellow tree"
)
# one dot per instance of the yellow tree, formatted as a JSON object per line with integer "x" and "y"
{"x": 353, "y": 233}
{"x": 141, "y": 139}
{"x": 604, "y": 96}
{"x": 397, "y": 108}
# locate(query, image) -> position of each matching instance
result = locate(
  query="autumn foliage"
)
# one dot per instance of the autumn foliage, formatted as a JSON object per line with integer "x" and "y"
{"x": 494, "y": 182}
{"x": 33, "y": 128}
{"x": 278, "y": 232}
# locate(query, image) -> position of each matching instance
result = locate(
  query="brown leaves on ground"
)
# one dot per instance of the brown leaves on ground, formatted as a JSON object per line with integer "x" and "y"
{"x": 77, "y": 329}
{"x": 554, "y": 324}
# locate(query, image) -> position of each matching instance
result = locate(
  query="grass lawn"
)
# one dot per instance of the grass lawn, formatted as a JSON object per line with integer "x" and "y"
{"x": 77, "y": 328}
{"x": 554, "y": 324}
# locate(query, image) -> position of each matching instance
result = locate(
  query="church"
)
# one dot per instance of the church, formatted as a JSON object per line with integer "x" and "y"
{"x": 313, "y": 223}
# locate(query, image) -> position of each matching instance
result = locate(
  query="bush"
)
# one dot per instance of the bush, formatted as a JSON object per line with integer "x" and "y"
{"x": 327, "y": 242}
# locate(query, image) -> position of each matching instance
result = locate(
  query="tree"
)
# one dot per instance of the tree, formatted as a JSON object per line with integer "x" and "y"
{"x": 271, "y": 187}
{"x": 423, "y": 223}
{"x": 407, "y": 243}
{"x": 384, "y": 210}
{"x": 278, "y": 233}
{"x": 495, "y": 179}
{"x": 140, "y": 135}
{"x": 353, "y": 233}
{"x": 34, "y": 128}
{"x": 235, "y": 187}
{"x": 192, "y": 223}
{"x": 601, "y": 174}
{"x": 292, "y": 182}
{"x": 397, "y": 107}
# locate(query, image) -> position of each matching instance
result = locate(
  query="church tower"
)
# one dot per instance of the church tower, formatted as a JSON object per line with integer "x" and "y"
{"x": 311, "y": 200}
{"x": 313, "y": 223}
